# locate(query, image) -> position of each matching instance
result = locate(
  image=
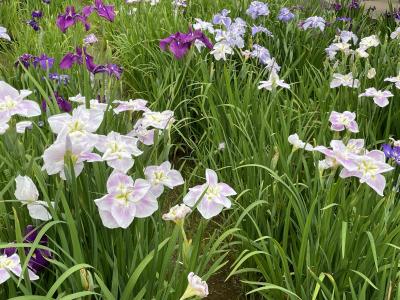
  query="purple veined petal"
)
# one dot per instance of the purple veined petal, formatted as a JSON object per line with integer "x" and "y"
{"x": 377, "y": 183}
{"x": 4, "y": 275}
{"x": 376, "y": 155}
{"x": 347, "y": 173}
{"x": 146, "y": 206}
{"x": 353, "y": 127}
{"x": 121, "y": 164}
{"x": 123, "y": 214}
{"x": 105, "y": 202}
{"x": 157, "y": 190}
{"x": 337, "y": 127}
{"x": 140, "y": 188}
{"x": 107, "y": 219}
{"x": 179, "y": 50}
{"x": 226, "y": 190}
{"x": 67, "y": 61}
{"x": 381, "y": 101}
{"x": 84, "y": 21}
{"x": 90, "y": 157}
{"x": 87, "y": 10}
{"x": 165, "y": 42}
{"x": 193, "y": 195}
{"x": 211, "y": 177}
{"x": 118, "y": 179}
{"x": 105, "y": 11}
{"x": 28, "y": 108}
{"x": 209, "y": 209}
{"x": 174, "y": 179}
{"x": 223, "y": 201}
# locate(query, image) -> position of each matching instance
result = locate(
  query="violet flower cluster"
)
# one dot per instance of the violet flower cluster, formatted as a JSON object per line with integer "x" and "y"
{"x": 71, "y": 17}
{"x": 43, "y": 61}
{"x": 80, "y": 56}
{"x": 179, "y": 43}
{"x": 36, "y": 15}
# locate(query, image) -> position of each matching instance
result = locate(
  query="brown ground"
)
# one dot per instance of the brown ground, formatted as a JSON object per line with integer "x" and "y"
{"x": 381, "y": 5}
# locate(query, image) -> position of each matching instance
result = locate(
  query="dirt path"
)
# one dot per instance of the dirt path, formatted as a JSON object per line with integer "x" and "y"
{"x": 381, "y": 5}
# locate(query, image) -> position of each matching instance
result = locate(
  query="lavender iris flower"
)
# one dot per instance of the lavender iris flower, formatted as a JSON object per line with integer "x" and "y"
{"x": 43, "y": 61}
{"x": 256, "y": 29}
{"x": 343, "y": 19}
{"x": 179, "y": 43}
{"x": 222, "y": 18}
{"x": 392, "y": 152}
{"x": 59, "y": 78}
{"x": 257, "y": 9}
{"x": 285, "y": 15}
{"x": 38, "y": 261}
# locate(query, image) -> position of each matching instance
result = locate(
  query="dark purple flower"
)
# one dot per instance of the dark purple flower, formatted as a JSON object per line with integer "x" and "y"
{"x": 63, "y": 104}
{"x": 392, "y": 152}
{"x": 46, "y": 1}
{"x": 37, "y": 14}
{"x": 337, "y": 6}
{"x": 71, "y": 58}
{"x": 110, "y": 69}
{"x": 105, "y": 11}
{"x": 44, "y": 61}
{"x": 179, "y": 43}
{"x": 70, "y": 18}
{"x": 354, "y": 4}
{"x": 25, "y": 59}
{"x": 67, "y": 20}
{"x": 38, "y": 260}
{"x": 33, "y": 24}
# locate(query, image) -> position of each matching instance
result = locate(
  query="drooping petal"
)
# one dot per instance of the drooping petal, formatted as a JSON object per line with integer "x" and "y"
{"x": 146, "y": 206}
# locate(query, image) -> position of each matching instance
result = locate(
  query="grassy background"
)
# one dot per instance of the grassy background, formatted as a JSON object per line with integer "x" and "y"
{"x": 291, "y": 232}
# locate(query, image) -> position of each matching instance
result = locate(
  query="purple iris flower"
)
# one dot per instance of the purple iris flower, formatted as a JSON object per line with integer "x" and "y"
{"x": 46, "y": 1}
{"x": 337, "y": 6}
{"x": 25, "y": 59}
{"x": 392, "y": 152}
{"x": 103, "y": 10}
{"x": 35, "y": 26}
{"x": 179, "y": 43}
{"x": 71, "y": 58}
{"x": 354, "y": 4}
{"x": 38, "y": 261}
{"x": 285, "y": 15}
{"x": 37, "y": 14}
{"x": 63, "y": 104}
{"x": 70, "y": 18}
{"x": 44, "y": 61}
{"x": 110, "y": 69}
